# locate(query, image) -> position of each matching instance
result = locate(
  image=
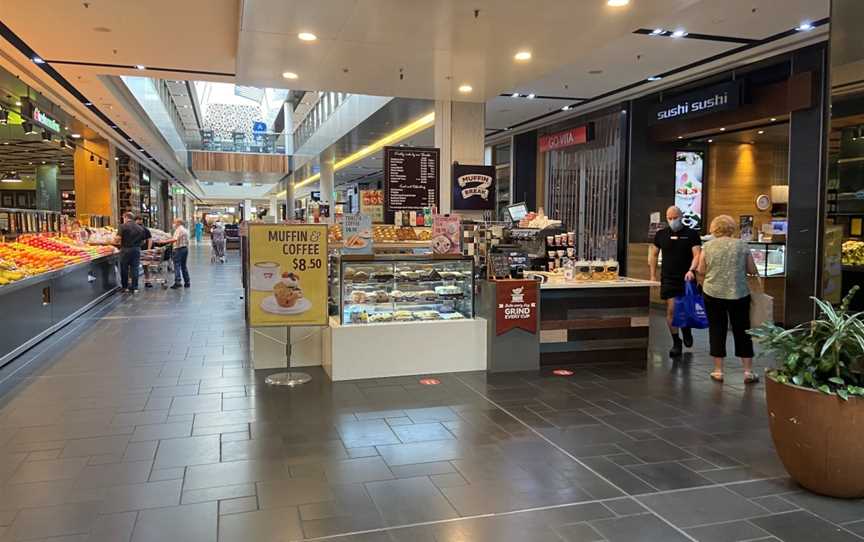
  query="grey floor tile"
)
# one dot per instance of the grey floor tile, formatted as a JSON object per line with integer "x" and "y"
{"x": 194, "y": 404}
{"x": 644, "y": 528}
{"x": 113, "y": 527}
{"x": 367, "y": 469}
{"x": 189, "y": 523}
{"x": 281, "y": 494}
{"x": 161, "y": 431}
{"x": 579, "y": 532}
{"x": 366, "y": 433}
{"x": 775, "y": 504}
{"x": 142, "y": 496}
{"x": 68, "y": 519}
{"x": 420, "y": 432}
{"x": 175, "y": 473}
{"x": 112, "y": 474}
{"x": 409, "y": 500}
{"x": 421, "y": 452}
{"x": 693, "y": 507}
{"x": 141, "y": 451}
{"x": 665, "y": 476}
{"x": 626, "y": 506}
{"x": 733, "y": 531}
{"x": 238, "y": 505}
{"x": 43, "y": 471}
{"x": 652, "y": 451}
{"x": 422, "y": 469}
{"x": 836, "y": 510}
{"x": 803, "y": 527}
{"x": 218, "y": 493}
{"x": 181, "y": 452}
{"x": 274, "y": 525}
{"x": 95, "y": 446}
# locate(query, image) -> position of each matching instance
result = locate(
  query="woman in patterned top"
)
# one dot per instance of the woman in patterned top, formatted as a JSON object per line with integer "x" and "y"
{"x": 725, "y": 263}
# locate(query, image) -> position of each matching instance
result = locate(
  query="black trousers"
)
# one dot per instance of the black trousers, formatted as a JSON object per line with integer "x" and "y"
{"x": 720, "y": 313}
{"x": 130, "y": 260}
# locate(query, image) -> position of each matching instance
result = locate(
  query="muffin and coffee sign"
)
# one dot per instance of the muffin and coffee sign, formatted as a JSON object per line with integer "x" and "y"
{"x": 288, "y": 275}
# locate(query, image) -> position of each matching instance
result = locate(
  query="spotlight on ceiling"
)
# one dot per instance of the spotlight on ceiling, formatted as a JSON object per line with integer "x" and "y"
{"x": 465, "y": 89}
{"x": 100, "y": 161}
{"x": 522, "y": 56}
{"x": 307, "y": 36}
{"x": 658, "y": 32}
{"x": 655, "y": 78}
{"x": 760, "y": 132}
{"x": 773, "y": 119}
{"x": 289, "y": 75}
{"x": 140, "y": 67}
{"x": 722, "y": 129}
{"x": 679, "y": 33}
{"x": 710, "y": 141}
{"x": 92, "y": 159}
{"x": 76, "y": 136}
{"x": 530, "y": 96}
{"x": 565, "y": 108}
{"x": 805, "y": 26}
{"x": 38, "y": 60}
{"x": 617, "y": 3}
{"x": 515, "y": 95}
{"x": 18, "y": 103}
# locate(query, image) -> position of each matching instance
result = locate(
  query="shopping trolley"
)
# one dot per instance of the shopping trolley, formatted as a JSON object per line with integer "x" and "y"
{"x": 155, "y": 263}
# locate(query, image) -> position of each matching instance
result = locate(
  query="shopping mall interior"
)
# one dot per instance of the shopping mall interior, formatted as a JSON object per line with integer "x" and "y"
{"x": 450, "y": 271}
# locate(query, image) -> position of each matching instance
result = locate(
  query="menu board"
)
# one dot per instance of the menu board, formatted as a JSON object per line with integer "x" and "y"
{"x": 287, "y": 275}
{"x": 498, "y": 265}
{"x": 357, "y": 234}
{"x": 411, "y": 178}
{"x": 688, "y": 187}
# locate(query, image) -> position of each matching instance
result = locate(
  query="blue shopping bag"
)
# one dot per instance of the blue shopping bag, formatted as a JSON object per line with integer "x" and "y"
{"x": 690, "y": 309}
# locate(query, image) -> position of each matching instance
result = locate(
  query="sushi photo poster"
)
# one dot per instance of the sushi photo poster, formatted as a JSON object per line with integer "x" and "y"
{"x": 287, "y": 275}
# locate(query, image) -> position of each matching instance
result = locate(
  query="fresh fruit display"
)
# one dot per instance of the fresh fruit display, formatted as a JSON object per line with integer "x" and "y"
{"x": 853, "y": 253}
{"x": 35, "y": 254}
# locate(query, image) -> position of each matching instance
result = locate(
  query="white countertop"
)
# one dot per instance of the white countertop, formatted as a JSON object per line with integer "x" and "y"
{"x": 622, "y": 282}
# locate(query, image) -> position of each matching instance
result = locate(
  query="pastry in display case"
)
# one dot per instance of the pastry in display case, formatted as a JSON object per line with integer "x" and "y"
{"x": 382, "y": 289}
{"x": 770, "y": 258}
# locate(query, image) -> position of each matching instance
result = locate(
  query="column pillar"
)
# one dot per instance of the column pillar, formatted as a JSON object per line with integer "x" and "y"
{"x": 274, "y": 209}
{"x": 247, "y": 210}
{"x": 460, "y": 129}
{"x": 47, "y": 189}
{"x": 289, "y": 197}
{"x": 326, "y": 184}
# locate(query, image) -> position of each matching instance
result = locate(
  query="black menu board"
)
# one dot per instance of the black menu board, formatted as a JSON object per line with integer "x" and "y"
{"x": 411, "y": 177}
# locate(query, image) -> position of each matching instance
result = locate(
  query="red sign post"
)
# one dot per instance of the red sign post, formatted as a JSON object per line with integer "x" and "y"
{"x": 516, "y": 305}
{"x": 568, "y": 138}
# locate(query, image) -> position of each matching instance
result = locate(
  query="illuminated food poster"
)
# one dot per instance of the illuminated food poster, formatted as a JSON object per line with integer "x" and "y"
{"x": 689, "y": 166}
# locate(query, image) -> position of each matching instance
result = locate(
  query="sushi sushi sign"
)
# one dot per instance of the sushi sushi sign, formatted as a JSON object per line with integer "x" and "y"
{"x": 722, "y": 97}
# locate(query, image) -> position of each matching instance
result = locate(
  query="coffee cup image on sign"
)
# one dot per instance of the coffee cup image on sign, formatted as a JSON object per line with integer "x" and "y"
{"x": 265, "y": 275}
{"x": 287, "y": 296}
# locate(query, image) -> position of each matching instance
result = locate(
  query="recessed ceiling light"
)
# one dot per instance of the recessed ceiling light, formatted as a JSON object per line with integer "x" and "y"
{"x": 307, "y": 36}
{"x": 773, "y": 119}
{"x": 530, "y": 96}
{"x": 465, "y": 89}
{"x": 140, "y": 67}
{"x": 657, "y": 32}
{"x": 76, "y": 136}
{"x": 38, "y": 60}
{"x": 523, "y": 55}
{"x": 710, "y": 141}
{"x": 565, "y": 108}
{"x": 679, "y": 33}
{"x": 88, "y": 103}
{"x": 617, "y": 3}
{"x": 805, "y": 26}
{"x": 680, "y": 137}
{"x": 760, "y": 132}
{"x": 18, "y": 103}
{"x": 722, "y": 129}
{"x": 655, "y": 78}
{"x": 515, "y": 95}
{"x": 289, "y": 75}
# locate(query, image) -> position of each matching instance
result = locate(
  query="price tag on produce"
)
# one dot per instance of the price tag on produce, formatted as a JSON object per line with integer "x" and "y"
{"x": 287, "y": 275}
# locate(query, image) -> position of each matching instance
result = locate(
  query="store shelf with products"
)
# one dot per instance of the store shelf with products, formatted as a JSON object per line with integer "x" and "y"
{"x": 412, "y": 315}
{"x": 34, "y": 255}
{"x": 14, "y": 222}
{"x": 770, "y": 258}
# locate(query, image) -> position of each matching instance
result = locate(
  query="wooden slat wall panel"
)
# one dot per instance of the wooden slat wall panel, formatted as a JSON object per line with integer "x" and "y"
{"x": 240, "y": 162}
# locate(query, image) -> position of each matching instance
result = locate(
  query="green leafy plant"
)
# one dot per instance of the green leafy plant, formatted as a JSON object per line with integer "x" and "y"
{"x": 826, "y": 354}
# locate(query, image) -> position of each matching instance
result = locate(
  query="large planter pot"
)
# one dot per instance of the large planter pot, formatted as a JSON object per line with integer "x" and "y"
{"x": 819, "y": 438}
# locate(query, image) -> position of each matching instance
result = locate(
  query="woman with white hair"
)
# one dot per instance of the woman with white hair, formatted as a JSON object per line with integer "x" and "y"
{"x": 725, "y": 263}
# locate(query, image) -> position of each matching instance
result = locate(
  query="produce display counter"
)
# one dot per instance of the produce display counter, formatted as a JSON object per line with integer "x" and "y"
{"x": 46, "y": 302}
{"x": 595, "y": 321}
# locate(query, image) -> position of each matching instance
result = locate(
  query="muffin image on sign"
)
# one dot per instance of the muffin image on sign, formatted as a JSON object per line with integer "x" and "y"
{"x": 287, "y": 291}
{"x": 441, "y": 244}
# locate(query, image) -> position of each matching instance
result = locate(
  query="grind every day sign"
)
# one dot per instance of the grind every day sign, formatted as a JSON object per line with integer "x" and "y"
{"x": 287, "y": 275}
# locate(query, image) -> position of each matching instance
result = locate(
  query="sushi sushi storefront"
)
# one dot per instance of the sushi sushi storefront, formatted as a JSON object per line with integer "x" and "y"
{"x": 747, "y": 144}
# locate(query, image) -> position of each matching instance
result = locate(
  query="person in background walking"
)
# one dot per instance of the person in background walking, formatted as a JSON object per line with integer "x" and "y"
{"x": 680, "y": 246}
{"x": 180, "y": 241}
{"x": 725, "y": 263}
{"x": 199, "y": 231}
{"x": 217, "y": 240}
{"x": 130, "y": 235}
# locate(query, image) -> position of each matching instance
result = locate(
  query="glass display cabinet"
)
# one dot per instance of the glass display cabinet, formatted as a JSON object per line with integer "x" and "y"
{"x": 770, "y": 258}
{"x": 381, "y": 289}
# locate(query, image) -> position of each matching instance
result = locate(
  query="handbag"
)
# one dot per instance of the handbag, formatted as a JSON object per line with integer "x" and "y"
{"x": 690, "y": 309}
{"x": 761, "y": 304}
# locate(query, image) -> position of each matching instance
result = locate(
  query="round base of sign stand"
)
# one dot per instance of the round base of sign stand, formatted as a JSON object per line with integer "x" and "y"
{"x": 290, "y": 379}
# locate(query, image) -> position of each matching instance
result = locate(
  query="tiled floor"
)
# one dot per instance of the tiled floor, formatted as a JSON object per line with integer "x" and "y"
{"x": 142, "y": 422}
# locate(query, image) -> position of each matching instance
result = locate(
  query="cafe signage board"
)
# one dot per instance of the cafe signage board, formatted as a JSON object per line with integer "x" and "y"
{"x": 723, "y": 97}
{"x": 411, "y": 178}
{"x": 516, "y": 305}
{"x": 568, "y": 138}
{"x": 473, "y": 187}
{"x": 288, "y": 275}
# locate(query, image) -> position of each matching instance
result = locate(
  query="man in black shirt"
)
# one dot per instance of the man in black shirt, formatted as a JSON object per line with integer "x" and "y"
{"x": 130, "y": 236}
{"x": 146, "y": 244}
{"x": 680, "y": 246}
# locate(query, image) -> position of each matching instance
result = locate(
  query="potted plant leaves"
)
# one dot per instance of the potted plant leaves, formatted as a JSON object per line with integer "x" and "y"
{"x": 815, "y": 398}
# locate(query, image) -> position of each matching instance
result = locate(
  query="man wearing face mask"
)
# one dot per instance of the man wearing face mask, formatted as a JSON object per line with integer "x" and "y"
{"x": 680, "y": 246}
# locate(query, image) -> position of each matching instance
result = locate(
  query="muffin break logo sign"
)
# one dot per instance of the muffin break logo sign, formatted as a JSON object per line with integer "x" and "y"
{"x": 516, "y": 306}
{"x": 287, "y": 275}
